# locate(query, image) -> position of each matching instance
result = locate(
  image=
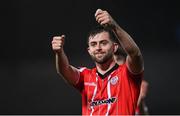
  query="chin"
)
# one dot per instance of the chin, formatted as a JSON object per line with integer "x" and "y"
{"x": 101, "y": 61}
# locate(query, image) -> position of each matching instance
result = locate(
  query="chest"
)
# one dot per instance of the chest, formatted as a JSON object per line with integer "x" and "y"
{"x": 97, "y": 88}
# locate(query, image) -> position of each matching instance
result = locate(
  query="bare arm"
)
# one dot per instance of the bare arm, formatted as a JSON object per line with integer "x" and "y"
{"x": 63, "y": 67}
{"x": 134, "y": 59}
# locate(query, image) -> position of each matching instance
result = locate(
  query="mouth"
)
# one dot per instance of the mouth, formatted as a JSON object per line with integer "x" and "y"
{"x": 99, "y": 54}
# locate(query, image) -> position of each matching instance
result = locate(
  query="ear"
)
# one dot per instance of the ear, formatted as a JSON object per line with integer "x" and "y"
{"x": 89, "y": 50}
{"x": 116, "y": 46}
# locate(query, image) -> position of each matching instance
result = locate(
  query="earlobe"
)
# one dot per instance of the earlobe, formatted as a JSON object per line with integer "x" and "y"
{"x": 88, "y": 51}
{"x": 115, "y": 47}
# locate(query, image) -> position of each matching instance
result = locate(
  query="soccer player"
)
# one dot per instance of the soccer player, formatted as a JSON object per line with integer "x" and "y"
{"x": 108, "y": 88}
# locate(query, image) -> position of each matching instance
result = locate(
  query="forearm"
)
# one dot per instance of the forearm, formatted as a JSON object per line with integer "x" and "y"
{"x": 62, "y": 63}
{"x": 134, "y": 58}
{"x": 63, "y": 67}
{"x": 126, "y": 41}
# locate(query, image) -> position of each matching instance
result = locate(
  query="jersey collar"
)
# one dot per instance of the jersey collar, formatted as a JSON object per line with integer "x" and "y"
{"x": 102, "y": 76}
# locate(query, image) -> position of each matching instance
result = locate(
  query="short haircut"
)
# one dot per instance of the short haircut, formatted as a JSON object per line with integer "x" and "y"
{"x": 99, "y": 29}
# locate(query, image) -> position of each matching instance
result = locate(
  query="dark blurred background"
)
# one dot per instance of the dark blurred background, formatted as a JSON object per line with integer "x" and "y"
{"x": 29, "y": 83}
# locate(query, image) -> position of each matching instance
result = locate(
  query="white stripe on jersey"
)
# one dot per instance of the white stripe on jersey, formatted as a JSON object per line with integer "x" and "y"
{"x": 81, "y": 69}
{"x": 109, "y": 94}
{"x": 94, "y": 94}
{"x": 90, "y": 84}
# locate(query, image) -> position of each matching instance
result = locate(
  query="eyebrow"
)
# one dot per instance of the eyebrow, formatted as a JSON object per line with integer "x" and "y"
{"x": 92, "y": 42}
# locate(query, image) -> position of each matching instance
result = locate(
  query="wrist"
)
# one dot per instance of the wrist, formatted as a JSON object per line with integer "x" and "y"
{"x": 59, "y": 52}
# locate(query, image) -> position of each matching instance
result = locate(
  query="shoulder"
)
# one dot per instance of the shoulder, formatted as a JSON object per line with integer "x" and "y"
{"x": 125, "y": 70}
{"x": 84, "y": 70}
{"x": 122, "y": 66}
{"x": 85, "y": 73}
{"x": 81, "y": 69}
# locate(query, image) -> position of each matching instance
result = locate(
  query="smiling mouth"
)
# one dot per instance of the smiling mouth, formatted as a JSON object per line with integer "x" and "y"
{"x": 99, "y": 55}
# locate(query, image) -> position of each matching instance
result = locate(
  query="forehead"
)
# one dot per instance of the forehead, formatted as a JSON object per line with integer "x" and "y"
{"x": 99, "y": 37}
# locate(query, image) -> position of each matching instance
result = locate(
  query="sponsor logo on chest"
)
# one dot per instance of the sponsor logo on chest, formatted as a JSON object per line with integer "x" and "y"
{"x": 101, "y": 102}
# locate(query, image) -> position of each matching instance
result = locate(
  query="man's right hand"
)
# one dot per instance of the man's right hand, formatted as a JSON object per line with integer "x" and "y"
{"x": 57, "y": 43}
{"x": 104, "y": 18}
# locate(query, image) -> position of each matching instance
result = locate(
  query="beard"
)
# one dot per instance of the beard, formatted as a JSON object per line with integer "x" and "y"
{"x": 103, "y": 58}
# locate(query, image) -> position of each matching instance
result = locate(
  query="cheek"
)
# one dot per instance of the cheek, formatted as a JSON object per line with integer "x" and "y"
{"x": 110, "y": 49}
{"x": 90, "y": 50}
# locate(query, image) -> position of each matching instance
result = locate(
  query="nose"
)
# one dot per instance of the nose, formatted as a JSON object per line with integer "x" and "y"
{"x": 98, "y": 47}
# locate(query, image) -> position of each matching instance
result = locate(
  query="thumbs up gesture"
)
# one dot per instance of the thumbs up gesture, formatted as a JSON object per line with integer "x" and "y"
{"x": 58, "y": 43}
{"x": 104, "y": 18}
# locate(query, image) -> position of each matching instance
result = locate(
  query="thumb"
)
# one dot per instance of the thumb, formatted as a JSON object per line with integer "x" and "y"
{"x": 63, "y": 36}
{"x": 63, "y": 39}
{"x": 98, "y": 11}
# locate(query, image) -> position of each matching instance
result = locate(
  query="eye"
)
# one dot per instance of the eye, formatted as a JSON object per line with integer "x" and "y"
{"x": 104, "y": 42}
{"x": 93, "y": 44}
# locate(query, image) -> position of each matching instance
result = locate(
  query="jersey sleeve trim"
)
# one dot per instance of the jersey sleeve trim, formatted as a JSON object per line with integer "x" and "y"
{"x": 129, "y": 70}
{"x": 80, "y": 70}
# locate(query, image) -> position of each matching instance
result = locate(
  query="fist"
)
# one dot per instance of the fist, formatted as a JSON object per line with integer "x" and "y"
{"x": 104, "y": 18}
{"x": 57, "y": 43}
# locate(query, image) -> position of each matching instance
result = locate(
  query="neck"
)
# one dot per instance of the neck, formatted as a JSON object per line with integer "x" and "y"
{"x": 103, "y": 68}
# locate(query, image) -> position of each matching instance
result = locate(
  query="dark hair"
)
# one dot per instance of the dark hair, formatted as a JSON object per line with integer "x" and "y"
{"x": 98, "y": 29}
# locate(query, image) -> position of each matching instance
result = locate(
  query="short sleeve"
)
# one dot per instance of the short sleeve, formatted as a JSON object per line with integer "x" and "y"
{"x": 130, "y": 74}
{"x": 134, "y": 78}
{"x": 80, "y": 83}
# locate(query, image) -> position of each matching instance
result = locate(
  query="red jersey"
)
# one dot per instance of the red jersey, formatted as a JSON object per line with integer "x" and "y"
{"x": 115, "y": 94}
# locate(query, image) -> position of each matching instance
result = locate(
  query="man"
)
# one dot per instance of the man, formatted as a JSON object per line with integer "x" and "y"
{"x": 107, "y": 89}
